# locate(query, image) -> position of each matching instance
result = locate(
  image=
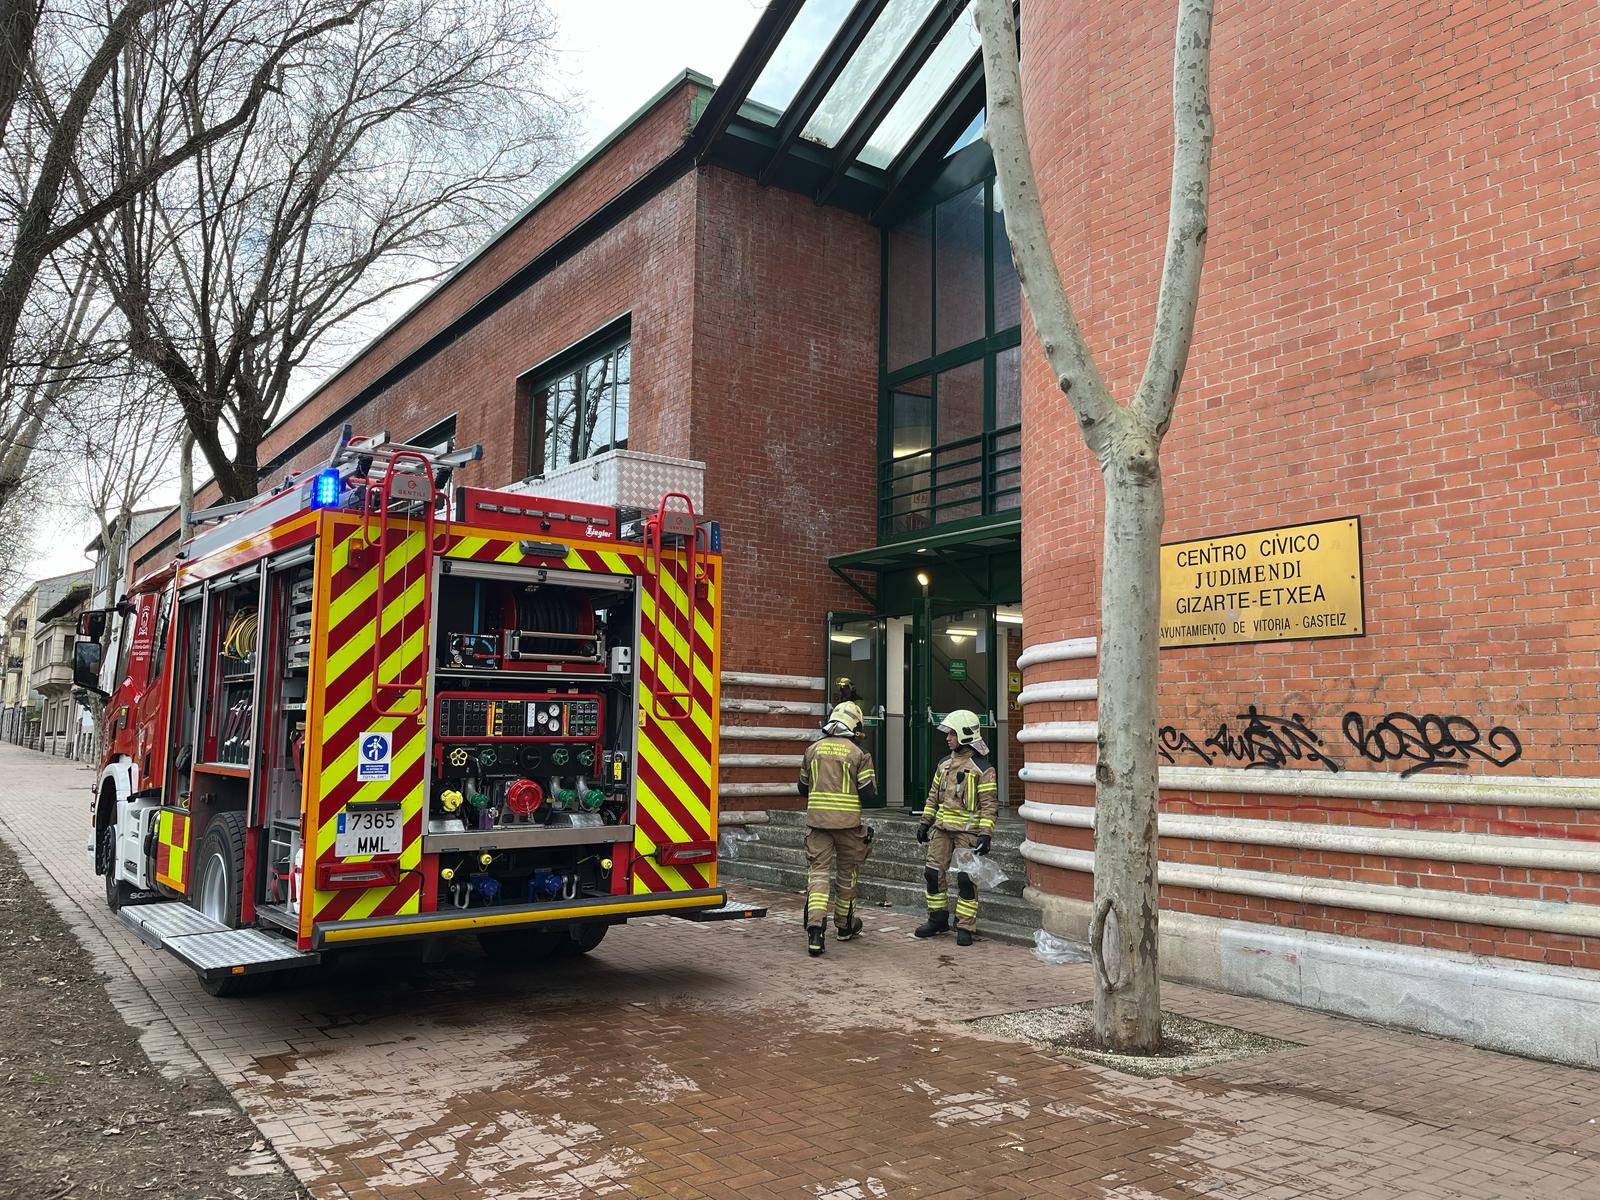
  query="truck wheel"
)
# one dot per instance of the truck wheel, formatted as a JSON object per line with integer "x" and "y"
{"x": 219, "y": 870}
{"x": 223, "y": 986}
{"x": 583, "y": 938}
{"x": 117, "y": 892}
{"x": 519, "y": 945}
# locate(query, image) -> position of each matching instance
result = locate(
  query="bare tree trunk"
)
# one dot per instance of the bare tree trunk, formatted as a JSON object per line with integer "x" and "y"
{"x": 1123, "y": 935}
{"x": 1126, "y": 440}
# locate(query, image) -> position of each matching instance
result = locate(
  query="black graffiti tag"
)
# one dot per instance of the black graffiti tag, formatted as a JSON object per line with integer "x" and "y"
{"x": 1171, "y": 741}
{"x": 1430, "y": 742}
{"x": 1268, "y": 741}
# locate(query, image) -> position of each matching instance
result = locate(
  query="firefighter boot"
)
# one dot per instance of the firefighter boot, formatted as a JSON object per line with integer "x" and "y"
{"x": 844, "y": 933}
{"x": 937, "y": 922}
{"x": 963, "y": 937}
{"x": 814, "y": 940}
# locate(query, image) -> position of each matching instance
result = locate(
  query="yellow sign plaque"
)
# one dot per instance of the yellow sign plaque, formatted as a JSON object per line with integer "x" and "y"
{"x": 1269, "y": 585}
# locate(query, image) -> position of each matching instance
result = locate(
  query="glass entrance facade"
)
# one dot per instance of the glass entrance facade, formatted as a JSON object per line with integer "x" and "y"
{"x": 950, "y": 401}
{"x": 908, "y": 670}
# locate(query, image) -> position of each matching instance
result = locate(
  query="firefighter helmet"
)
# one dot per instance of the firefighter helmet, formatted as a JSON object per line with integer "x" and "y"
{"x": 963, "y": 722}
{"x": 846, "y": 720}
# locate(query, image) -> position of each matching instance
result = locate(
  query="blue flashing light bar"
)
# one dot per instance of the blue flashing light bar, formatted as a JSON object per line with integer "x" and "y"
{"x": 325, "y": 489}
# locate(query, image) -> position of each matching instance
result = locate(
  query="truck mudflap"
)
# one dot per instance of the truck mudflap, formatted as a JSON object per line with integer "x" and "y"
{"x": 214, "y": 950}
{"x": 329, "y": 934}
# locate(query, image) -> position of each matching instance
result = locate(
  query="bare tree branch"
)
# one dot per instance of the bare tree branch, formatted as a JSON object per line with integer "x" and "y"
{"x": 1187, "y": 218}
{"x": 423, "y": 125}
{"x": 1035, "y": 261}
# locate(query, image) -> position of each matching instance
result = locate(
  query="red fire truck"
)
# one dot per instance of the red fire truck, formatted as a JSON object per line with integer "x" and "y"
{"x": 373, "y": 704}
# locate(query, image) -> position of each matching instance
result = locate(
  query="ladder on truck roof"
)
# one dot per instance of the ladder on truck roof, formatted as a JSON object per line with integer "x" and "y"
{"x": 350, "y": 458}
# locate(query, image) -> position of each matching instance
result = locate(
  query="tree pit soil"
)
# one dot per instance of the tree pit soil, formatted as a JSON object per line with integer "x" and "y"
{"x": 1187, "y": 1044}
{"x": 83, "y": 1112}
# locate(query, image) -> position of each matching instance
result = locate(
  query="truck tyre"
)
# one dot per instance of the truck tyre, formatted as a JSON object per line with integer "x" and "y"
{"x": 513, "y": 946}
{"x": 216, "y": 889}
{"x": 583, "y": 938}
{"x": 223, "y": 986}
{"x": 117, "y": 892}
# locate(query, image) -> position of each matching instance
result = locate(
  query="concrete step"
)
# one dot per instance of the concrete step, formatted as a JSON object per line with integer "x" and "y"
{"x": 892, "y": 843}
{"x": 897, "y": 841}
{"x": 1005, "y": 918}
{"x": 887, "y": 868}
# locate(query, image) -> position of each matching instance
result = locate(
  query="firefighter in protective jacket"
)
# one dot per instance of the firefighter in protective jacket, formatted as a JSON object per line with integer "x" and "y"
{"x": 961, "y": 809}
{"x": 836, "y": 775}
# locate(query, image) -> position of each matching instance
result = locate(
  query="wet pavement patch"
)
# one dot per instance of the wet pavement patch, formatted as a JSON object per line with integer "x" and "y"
{"x": 1187, "y": 1044}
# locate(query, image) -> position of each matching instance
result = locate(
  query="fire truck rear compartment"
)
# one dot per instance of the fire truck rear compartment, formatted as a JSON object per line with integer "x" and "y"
{"x": 529, "y": 797}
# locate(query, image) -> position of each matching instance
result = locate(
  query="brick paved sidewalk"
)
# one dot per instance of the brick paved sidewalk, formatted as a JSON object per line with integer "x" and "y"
{"x": 719, "y": 1061}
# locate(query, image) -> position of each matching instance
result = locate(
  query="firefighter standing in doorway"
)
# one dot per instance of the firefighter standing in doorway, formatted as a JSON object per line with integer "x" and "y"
{"x": 961, "y": 809}
{"x": 836, "y": 776}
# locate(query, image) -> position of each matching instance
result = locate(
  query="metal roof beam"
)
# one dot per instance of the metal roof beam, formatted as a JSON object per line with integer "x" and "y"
{"x": 957, "y": 106}
{"x": 752, "y": 57}
{"x": 822, "y": 78}
{"x": 905, "y": 69}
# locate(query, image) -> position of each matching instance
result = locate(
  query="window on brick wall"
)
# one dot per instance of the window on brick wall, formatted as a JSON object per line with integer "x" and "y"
{"x": 951, "y": 387}
{"x": 579, "y": 405}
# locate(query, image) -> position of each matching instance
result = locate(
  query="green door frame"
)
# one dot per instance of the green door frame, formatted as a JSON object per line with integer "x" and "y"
{"x": 874, "y": 742}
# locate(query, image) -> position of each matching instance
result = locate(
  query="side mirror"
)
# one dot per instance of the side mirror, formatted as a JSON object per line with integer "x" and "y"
{"x": 86, "y": 666}
{"x": 92, "y": 623}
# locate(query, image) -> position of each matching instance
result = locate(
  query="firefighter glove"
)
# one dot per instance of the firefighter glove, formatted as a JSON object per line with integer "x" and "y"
{"x": 922, "y": 832}
{"x": 983, "y": 843}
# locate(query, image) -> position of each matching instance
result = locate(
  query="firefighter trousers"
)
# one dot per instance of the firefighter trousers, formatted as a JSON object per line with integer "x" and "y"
{"x": 824, "y": 848}
{"x": 942, "y": 843}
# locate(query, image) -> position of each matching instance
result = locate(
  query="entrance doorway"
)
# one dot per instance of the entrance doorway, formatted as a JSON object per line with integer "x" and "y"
{"x": 909, "y": 669}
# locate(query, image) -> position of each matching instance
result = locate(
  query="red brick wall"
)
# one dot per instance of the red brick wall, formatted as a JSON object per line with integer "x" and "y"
{"x": 785, "y": 418}
{"x": 1398, "y": 320}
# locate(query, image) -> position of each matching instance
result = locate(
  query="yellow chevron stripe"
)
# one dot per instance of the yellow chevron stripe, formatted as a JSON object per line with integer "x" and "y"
{"x": 359, "y": 591}
{"x": 360, "y": 642}
{"x": 668, "y": 679}
{"x": 692, "y": 758}
{"x": 669, "y": 876}
{"x": 467, "y": 547}
{"x": 663, "y": 816}
{"x": 680, "y": 603}
{"x": 679, "y": 787}
{"x": 402, "y": 761}
{"x": 675, "y": 641}
{"x": 674, "y": 638}
{"x": 360, "y": 697}
{"x": 615, "y": 563}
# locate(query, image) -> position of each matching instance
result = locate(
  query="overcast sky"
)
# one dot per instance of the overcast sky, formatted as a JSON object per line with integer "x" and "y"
{"x": 617, "y": 54}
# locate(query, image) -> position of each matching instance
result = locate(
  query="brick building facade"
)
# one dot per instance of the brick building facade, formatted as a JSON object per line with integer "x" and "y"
{"x": 807, "y": 271}
{"x": 1398, "y": 322}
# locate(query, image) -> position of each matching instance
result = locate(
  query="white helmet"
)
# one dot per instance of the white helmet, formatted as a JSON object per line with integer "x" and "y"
{"x": 963, "y": 722}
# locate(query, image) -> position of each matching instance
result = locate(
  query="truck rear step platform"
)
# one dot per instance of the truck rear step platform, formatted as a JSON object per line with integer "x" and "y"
{"x": 208, "y": 947}
{"x": 731, "y": 910}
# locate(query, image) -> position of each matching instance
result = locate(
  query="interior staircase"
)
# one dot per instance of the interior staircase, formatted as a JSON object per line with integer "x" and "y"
{"x": 892, "y": 878}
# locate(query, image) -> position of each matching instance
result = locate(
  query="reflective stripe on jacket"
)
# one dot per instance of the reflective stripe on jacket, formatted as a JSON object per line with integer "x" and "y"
{"x": 834, "y": 774}
{"x": 964, "y": 796}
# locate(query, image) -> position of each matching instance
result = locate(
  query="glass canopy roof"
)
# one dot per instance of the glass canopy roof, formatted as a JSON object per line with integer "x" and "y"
{"x": 850, "y": 94}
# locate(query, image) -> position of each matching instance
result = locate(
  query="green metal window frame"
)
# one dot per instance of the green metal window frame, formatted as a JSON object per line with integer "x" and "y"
{"x": 996, "y": 484}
